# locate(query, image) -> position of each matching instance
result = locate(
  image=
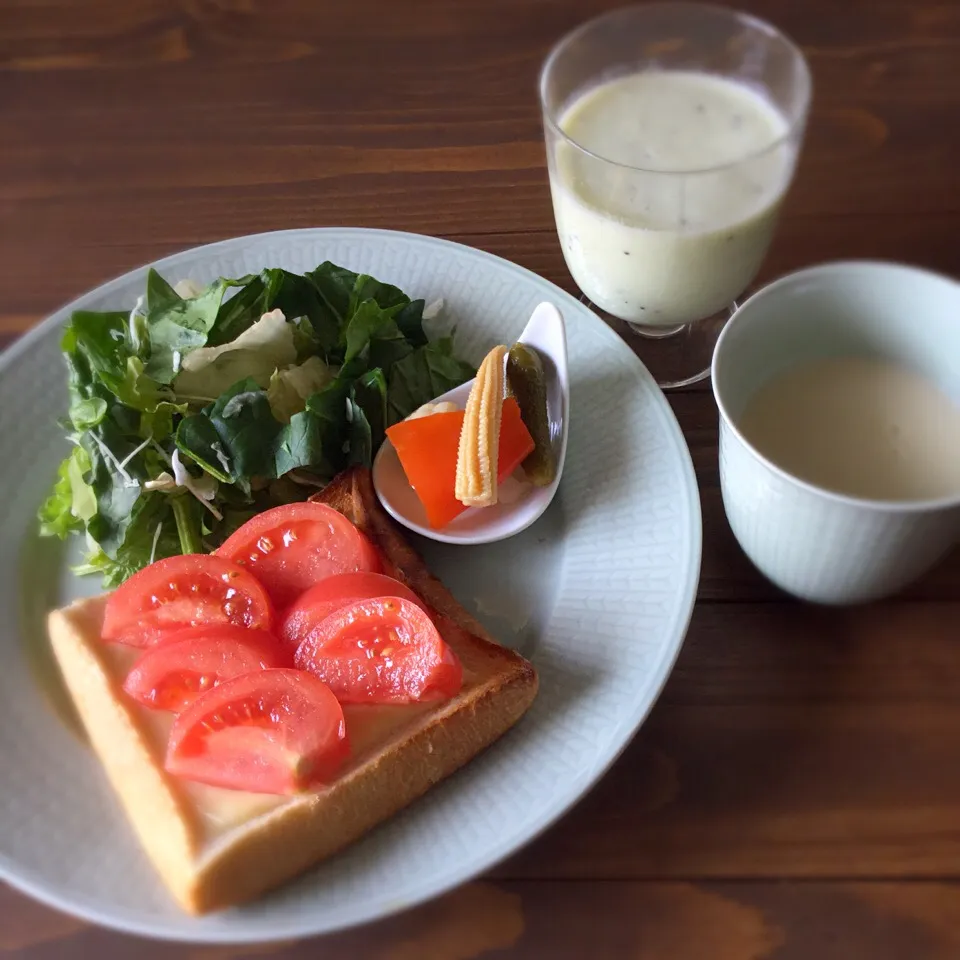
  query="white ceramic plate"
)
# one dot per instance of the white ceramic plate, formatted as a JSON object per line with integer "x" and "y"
{"x": 598, "y": 594}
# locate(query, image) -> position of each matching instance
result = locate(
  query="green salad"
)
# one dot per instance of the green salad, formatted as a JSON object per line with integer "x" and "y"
{"x": 202, "y": 406}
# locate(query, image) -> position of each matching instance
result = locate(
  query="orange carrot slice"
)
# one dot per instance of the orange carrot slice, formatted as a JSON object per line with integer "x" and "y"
{"x": 428, "y": 448}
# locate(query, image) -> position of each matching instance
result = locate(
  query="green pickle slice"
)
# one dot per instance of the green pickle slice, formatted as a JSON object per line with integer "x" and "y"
{"x": 527, "y": 382}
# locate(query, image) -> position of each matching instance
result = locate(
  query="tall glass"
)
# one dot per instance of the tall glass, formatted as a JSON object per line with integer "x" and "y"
{"x": 672, "y": 133}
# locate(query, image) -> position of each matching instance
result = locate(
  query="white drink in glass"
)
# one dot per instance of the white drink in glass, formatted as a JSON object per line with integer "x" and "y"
{"x": 666, "y": 192}
{"x": 672, "y": 131}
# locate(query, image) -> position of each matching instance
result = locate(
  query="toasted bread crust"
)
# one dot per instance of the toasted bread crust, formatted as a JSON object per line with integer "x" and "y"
{"x": 123, "y": 746}
{"x": 275, "y": 846}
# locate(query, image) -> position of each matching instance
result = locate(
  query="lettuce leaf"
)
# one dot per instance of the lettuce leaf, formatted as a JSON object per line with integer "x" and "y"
{"x": 72, "y": 503}
{"x": 289, "y": 389}
{"x": 255, "y": 354}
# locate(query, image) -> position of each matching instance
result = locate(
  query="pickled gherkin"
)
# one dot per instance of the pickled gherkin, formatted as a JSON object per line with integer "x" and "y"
{"x": 528, "y": 384}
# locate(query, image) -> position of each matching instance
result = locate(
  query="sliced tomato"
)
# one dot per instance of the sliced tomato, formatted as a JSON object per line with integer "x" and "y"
{"x": 331, "y": 594}
{"x": 272, "y": 731}
{"x": 187, "y": 591}
{"x": 384, "y": 650}
{"x": 290, "y": 548}
{"x": 172, "y": 674}
{"x": 428, "y": 448}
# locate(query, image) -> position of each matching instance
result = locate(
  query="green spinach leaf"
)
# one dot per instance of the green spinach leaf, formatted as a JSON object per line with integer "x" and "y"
{"x": 151, "y": 534}
{"x": 299, "y": 444}
{"x": 233, "y": 439}
{"x": 373, "y": 336}
{"x": 297, "y": 297}
{"x": 387, "y": 297}
{"x": 329, "y": 406}
{"x": 116, "y": 475}
{"x": 160, "y": 295}
{"x": 370, "y": 395}
{"x": 410, "y": 322}
{"x": 102, "y": 339}
{"x": 103, "y": 366}
{"x": 423, "y": 375}
{"x": 177, "y": 327}
{"x": 238, "y": 312}
{"x": 360, "y": 434}
{"x": 335, "y": 285}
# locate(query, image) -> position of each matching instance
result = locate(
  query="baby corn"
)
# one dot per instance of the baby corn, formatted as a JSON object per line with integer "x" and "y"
{"x": 476, "y": 484}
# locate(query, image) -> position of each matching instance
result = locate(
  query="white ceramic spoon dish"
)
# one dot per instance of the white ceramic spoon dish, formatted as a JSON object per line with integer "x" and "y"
{"x": 546, "y": 333}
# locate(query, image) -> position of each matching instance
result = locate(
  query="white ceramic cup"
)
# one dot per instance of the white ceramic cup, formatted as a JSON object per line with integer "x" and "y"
{"x": 818, "y": 545}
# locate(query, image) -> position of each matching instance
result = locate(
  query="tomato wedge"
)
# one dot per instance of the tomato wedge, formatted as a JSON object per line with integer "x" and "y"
{"x": 331, "y": 594}
{"x": 172, "y": 674}
{"x": 290, "y": 548}
{"x": 384, "y": 650}
{"x": 428, "y": 448}
{"x": 272, "y": 731}
{"x": 187, "y": 591}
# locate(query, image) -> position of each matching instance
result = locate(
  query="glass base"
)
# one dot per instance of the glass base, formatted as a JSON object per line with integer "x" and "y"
{"x": 677, "y": 356}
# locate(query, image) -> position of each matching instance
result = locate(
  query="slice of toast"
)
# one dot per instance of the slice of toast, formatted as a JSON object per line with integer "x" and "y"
{"x": 215, "y": 848}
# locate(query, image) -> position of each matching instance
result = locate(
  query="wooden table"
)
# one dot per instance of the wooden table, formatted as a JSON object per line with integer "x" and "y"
{"x": 796, "y": 791}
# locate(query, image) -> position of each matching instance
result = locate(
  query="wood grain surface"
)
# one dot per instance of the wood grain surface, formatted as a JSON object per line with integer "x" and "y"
{"x": 795, "y": 794}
